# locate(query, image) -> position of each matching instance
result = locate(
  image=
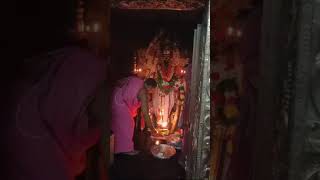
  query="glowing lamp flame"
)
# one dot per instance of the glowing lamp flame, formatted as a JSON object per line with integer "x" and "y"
{"x": 137, "y": 70}
{"x": 183, "y": 71}
{"x": 164, "y": 124}
{"x": 157, "y": 142}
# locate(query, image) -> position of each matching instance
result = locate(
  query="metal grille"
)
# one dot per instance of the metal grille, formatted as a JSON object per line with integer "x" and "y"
{"x": 197, "y": 166}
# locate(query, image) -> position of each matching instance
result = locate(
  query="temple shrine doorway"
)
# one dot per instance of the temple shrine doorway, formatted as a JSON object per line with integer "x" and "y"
{"x": 161, "y": 44}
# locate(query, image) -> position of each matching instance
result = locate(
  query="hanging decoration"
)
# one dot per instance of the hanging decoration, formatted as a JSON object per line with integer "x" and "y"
{"x": 226, "y": 75}
{"x": 156, "y": 4}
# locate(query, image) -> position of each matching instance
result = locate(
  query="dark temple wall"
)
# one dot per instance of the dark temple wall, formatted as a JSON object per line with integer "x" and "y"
{"x": 131, "y": 30}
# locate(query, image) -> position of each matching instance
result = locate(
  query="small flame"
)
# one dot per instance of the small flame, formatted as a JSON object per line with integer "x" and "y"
{"x": 157, "y": 142}
{"x": 164, "y": 124}
{"x": 182, "y": 71}
{"x": 137, "y": 70}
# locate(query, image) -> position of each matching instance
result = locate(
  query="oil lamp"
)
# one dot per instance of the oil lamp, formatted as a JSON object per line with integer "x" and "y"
{"x": 164, "y": 124}
{"x": 137, "y": 70}
{"x": 157, "y": 142}
{"x": 182, "y": 71}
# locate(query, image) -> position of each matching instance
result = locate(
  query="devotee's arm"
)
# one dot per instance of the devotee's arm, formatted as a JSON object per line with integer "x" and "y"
{"x": 144, "y": 107}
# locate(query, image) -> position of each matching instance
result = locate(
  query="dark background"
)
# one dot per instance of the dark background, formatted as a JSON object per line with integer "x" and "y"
{"x": 131, "y": 30}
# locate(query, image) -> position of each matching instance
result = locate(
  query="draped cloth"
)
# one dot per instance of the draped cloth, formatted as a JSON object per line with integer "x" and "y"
{"x": 125, "y": 104}
{"x": 50, "y": 135}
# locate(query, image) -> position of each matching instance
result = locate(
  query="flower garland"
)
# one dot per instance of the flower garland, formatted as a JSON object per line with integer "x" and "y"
{"x": 165, "y": 86}
{"x": 180, "y": 91}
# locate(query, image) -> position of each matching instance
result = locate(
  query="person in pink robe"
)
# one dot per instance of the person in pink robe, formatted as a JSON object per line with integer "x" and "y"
{"x": 50, "y": 135}
{"x": 130, "y": 94}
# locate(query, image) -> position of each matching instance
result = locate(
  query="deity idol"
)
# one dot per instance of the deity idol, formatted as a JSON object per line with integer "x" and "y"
{"x": 163, "y": 61}
{"x": 169, "y": 97}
